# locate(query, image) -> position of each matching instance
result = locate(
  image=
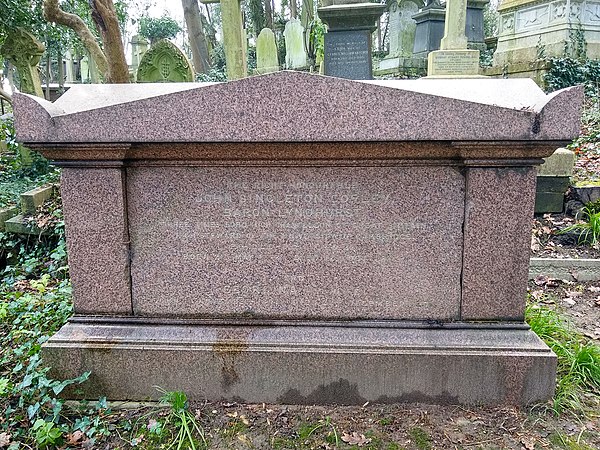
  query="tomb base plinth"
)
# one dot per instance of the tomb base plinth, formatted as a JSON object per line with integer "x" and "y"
{"x": 305, "y": 362}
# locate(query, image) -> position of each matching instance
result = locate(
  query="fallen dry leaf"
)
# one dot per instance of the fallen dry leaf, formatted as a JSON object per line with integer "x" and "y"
{"x": 245, "y": 439}
{"x": 594, "y": 289}
{"x": 528, "y": 443}
{"x": 4, "y": 439}
{"x": 75, "y": 437}
{"x": 355, "y": 439}
{"x": 541, "y": 280}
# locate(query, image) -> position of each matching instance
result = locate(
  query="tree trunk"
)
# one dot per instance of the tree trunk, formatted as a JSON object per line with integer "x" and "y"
{"x": 48, "y": 75}
{"x": 268, "y": 15}
{"x": 293, "y": 9}
{"x": 200, "y": 57}
{"x": 53, "y": 13}
{"x": 105, "y": 18}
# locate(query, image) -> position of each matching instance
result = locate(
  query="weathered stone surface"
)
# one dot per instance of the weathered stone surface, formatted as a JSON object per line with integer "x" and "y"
{"x": 453, "y": 63}
{"x": 266, "y": 52}
{"x": 234, "y": 39}
{"x": 453, "y": 58}
{"x": 582, "y": 270}
{"x": 97, "y": 239}
{"x": 342, "y": 261}
{"x": 164, "y": 62}
{"x": 295, "y": 55}
{"x": 494, "y": 279}
{"x": 559, "y": 164}
{"x": 402, "y": 26}
{"x": 306, "y": 364}
{"x": 7, "y": 213}
{"x": 518, "y": 108}
{"x": 317, "y": 236}
{"x": 528, "y": 28}
{"x": 23, "y": 50}
{"x": 348, "y": 39}
{"x": 22, "y": 224}
{"x": 31, "y": 200}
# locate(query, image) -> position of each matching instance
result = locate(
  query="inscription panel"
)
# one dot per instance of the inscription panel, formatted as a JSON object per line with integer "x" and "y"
{"x": 454, "y": 62}
{"x": 350, "y": 243}
{"x": 348, "y": 54}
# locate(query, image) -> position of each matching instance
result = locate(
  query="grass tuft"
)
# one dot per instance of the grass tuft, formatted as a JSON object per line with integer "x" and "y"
{"x": 578, "y": 369}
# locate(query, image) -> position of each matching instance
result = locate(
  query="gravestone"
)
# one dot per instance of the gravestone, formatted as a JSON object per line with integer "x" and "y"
{"x": 89, "y": 70}
{"x": 553, "y": 180}
{"x": 529, "y": 27}
{"x": 454, "y": 59}
{"x": 431, "y": 23}
{"x": 401, "y": 29}
{"x": 164, "y": 62}
{"x": 266, "y": 52}
{"x": 295, "y": 55}
{"x": 24, "y": 51}
{"x": 69, "y": 70}
{"x": 402, "y": 26}
{"x": 139, "y": 46}
{"x": 348, "y": 38}
{"x": 272, "y": 257}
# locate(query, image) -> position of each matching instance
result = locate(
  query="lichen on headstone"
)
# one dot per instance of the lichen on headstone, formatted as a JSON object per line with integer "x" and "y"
{"x": 164, "y": 62}
{"x": 266, "y": 52}
{"x": 295, "y": 55}
{"x": 24, "y": 51}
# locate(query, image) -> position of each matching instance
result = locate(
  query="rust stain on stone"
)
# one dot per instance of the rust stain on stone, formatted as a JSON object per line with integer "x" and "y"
{"x": 230, "y": 343}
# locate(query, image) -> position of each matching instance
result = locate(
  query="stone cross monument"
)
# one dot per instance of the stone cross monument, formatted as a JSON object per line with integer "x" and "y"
{"x": 24, "y": 51}
{"x": 454, "y": 30}
{"x": 454, "y": 59}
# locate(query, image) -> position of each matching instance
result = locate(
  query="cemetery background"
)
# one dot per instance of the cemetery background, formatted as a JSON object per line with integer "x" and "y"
{"x": 35, "y": 288}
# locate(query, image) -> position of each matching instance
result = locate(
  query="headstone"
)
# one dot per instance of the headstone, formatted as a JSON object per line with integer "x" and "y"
{"x": 89, "y": 70}
{"x": 266, "y": 52}
{"x": 401, "y": 30}
{"x": 431, "y": 23}
{"x": 454, "y": 59}
{"x": 295, "y": 55}
{"x": 94, "y": 73}
{"x": 85, "y": 70}
{"x": 164, "y": 62}
{"x": 402, "y": 27}
{"x": 139, "y": 46}
{"x": 553, "y": 180}
{"x": 348, "y": 38}
{"x": 69, "y": 69}
{"x": 429, "y": 31}
{"x": 529, "y": 27}
{"x": 24, "y": 51}
{"x": 271, "y": 258}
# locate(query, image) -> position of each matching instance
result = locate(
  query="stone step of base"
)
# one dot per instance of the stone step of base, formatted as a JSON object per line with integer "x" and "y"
{"x": 316, "y": 363}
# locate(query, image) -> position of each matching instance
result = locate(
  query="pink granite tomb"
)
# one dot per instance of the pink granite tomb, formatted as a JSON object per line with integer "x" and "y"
{"x": 296, "y": 238}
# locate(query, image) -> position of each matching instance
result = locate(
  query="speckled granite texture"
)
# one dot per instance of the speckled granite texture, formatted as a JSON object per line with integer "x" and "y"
{"x": 299, "y": 238}
{"x": 300, "y": 107}
{"x": 97, "y": 240}
{"x": 497, "y": 236}
{"x": 306, "y": 364}
{"x": 310, "y": 242}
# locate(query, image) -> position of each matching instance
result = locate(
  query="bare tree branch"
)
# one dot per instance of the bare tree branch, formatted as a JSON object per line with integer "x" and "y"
{"x": 53, "y": 13}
